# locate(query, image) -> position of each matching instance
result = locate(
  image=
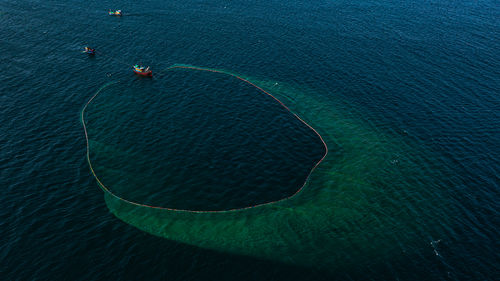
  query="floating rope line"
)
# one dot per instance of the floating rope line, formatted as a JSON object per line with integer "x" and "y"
{"x": 107, "y": 190}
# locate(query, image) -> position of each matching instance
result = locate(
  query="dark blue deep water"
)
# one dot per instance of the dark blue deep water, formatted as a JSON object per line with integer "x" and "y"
{"x": 427, "y": 72}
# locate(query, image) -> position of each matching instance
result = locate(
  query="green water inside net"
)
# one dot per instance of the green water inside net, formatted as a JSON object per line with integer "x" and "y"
{"x": 375, "y": 196}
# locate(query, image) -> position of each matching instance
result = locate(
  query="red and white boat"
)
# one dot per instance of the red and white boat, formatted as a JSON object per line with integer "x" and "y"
{"x": 142, "y": 71}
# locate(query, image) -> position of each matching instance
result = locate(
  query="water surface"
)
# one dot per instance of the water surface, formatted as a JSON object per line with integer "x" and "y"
{"x": 409, "y": 90}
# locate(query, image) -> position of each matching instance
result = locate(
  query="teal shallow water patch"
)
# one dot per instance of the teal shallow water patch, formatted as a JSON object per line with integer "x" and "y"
{"x": 360, "y": 204}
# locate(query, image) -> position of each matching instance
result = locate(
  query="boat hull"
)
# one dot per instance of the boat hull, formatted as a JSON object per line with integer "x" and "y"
{"x": 145, "y": 73}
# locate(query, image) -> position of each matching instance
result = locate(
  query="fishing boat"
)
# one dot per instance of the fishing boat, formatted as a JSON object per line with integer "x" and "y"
{"x": 89, "y": 51}
{"x": 143, "y": 71}
{"x": 115, "y": 13}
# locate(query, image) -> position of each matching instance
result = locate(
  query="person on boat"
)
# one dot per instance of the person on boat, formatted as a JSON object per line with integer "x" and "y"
{"x": 143, "y": 71}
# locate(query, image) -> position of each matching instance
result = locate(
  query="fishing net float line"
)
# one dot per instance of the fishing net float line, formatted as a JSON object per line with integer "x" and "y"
{"x": 108, "y": 190}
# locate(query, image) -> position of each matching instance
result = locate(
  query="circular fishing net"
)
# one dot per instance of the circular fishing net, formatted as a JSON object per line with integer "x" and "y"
{"x": 153, "y": 147}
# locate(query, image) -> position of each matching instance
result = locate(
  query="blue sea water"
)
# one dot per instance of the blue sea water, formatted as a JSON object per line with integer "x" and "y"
{"x": 425, "y": 71}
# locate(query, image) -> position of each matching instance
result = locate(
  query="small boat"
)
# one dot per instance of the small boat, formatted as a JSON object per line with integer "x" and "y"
{"x": 143, "y": 71}
{"x": 89, "y": 51}
{"x": 115, "y": 13}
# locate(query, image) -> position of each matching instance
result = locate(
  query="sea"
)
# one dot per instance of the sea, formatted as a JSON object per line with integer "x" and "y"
{"x": 276, "y": 140}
